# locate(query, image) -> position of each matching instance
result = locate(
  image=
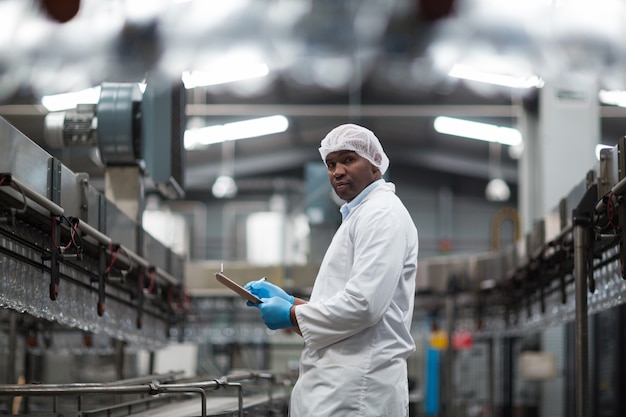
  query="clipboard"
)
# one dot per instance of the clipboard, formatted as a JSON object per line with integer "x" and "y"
{"x": 223, "y": 279}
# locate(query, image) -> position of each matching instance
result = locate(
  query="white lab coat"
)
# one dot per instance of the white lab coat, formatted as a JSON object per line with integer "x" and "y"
{"x": 356, "y": 326}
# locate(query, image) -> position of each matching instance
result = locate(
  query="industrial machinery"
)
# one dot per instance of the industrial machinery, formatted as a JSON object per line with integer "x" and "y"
{"x": 80, "y": 276}
{"x": 130, "y": 128}
{"x": 570, "y": 266}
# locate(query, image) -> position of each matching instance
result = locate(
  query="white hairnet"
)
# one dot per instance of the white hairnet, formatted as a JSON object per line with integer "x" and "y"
{"x": 351, "y": 137}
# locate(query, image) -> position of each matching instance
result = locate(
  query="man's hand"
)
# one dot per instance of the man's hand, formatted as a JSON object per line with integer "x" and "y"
{"x": 264, "y": 289}
{"x": 276, "y": 313}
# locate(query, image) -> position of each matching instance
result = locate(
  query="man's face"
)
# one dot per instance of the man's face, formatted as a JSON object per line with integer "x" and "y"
{"x": 349, "y": 173}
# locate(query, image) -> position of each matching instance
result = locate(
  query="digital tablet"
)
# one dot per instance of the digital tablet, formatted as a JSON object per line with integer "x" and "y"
{"x": 237, "y": 288}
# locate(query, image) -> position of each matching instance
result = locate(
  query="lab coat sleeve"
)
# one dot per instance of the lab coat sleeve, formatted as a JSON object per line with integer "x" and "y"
{"x": 380, "y": 241}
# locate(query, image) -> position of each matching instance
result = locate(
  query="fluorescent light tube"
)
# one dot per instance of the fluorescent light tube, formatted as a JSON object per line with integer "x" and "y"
{"x": 224, "y": 74}
{"x": 468, "y": 73}
{"x": 66, "y": 101}
{"x": 205, "y": 136}
{"x": 613, "y": 97}
{"x": 479, "y": 131}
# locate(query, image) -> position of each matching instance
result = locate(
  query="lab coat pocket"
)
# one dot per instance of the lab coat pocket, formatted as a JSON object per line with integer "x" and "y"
{"x": 353, "y": 352}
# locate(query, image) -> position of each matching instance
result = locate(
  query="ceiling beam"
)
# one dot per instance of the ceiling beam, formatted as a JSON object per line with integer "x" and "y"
{"x": 343, "y": 111}
{"x": 330, "y": 110}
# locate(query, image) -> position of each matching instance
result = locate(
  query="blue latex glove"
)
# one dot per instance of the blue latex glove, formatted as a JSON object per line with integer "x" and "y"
{"x": 276, "y": 313}
{"x": 264, "y": 289}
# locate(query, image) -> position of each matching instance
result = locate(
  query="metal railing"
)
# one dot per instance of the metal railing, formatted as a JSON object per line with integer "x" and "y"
{"x": 153, "y": 386}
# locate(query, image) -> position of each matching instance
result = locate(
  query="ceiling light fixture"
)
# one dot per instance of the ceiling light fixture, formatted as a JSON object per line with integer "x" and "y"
{"x": 224, "y": 187}
{"x": 224, "y": 74}
{"x": 497, "y": 190}
{"x": 66, "y": 101}
{"x": 613, "y": 97}
{"x": 466, "y": 72}
{"x": 202, "y": 137}
{"x": 479, "y": 131}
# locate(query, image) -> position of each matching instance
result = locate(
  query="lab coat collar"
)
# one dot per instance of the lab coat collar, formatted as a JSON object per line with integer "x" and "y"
{"x": 347, "y": 207}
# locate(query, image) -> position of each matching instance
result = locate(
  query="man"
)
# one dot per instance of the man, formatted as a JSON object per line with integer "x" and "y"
{"x": 356, "y": 325}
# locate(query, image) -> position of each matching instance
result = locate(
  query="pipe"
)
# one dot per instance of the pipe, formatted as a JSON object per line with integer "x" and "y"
{"x": 52, "y": 207}
{"x": 131, "y": 257}
{"x": 119, "y": 359}
{"x": 148, "y": 378}
{"x": 87, "y": 388}
{"x": 242, "y": 376}
{"x": 239, "y": 397}
{"x": 450, "y": 311}
{"x": 12, "y": 346}
{"x": 83, "y": 389}
{"x": 151, "y": 387}
{"x": 115, "y": 387}
{"x": 166, "y": 276}
{"x": 74, "y": 389}
{"x": 580, "y": 279}
{"x": 166, "y": 389}
{"x": 491, "y": 378}
{"x": 96, "y": 234}
{"x": 618, "y": 189}
{"x": 12, "y": 349}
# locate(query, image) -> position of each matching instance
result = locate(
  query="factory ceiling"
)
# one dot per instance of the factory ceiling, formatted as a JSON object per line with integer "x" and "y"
{"x": 382, "y": 64}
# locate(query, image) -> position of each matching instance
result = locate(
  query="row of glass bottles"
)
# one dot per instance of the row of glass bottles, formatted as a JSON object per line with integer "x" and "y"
{"x": 610, "y": 291}
{"x": 25, "y": 287}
